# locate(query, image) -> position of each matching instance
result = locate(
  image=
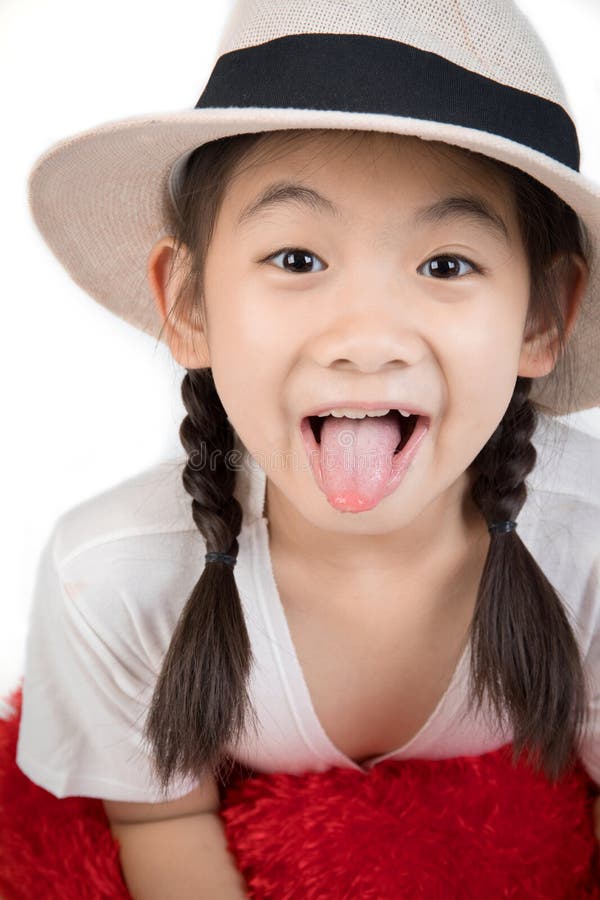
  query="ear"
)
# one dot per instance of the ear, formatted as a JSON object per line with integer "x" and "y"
{"x": 186, "y": 338}
{"x": 539, "y": 350}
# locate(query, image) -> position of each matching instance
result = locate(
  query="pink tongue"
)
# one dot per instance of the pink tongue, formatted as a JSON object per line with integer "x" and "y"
{"x": 356, "y": 458}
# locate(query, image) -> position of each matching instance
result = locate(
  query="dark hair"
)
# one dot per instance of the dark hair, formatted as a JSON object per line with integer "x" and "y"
{"x": 524, "y": 651}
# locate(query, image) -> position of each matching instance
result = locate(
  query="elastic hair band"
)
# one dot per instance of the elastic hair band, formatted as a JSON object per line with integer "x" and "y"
{"x": 502, "y": 527}
{"x": 216, "y": 556}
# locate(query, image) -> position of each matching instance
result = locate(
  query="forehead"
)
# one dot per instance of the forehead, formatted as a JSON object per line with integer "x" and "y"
{"x": 296, "y": 148}
{"x": 348, "y": 165}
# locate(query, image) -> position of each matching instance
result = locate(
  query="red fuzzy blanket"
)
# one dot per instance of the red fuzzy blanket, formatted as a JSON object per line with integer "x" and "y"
{"x": 473, "y": 828}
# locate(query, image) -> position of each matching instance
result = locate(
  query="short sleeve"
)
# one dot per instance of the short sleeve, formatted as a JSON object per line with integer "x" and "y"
{"x": 87, "y": 686}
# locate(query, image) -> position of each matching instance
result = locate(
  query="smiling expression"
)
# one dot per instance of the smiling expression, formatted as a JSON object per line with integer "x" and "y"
{"x": 345, "y": 272}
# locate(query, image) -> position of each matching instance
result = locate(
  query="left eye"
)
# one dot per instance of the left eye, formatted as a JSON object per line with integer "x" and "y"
{"x": 449, "y": 265}
{"x": 299, "y": 260}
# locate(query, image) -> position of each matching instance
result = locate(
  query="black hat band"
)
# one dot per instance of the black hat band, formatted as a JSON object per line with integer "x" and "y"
{"x": 365, "y": 74}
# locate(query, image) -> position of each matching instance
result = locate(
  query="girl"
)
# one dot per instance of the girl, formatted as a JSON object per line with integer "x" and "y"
{"x": 371, "y": 248}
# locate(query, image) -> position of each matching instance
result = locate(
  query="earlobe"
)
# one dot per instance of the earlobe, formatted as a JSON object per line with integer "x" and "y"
{"x": 186, "y": 340}
{"x": 539, "y": 352}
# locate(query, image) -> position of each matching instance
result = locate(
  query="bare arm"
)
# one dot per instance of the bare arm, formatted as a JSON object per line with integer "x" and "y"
{"x": 183, "y": 858}
{"x": 176, "y": 849}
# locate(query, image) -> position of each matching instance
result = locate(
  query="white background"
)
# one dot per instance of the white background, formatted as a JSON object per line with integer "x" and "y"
{"x": 87, "y": 400}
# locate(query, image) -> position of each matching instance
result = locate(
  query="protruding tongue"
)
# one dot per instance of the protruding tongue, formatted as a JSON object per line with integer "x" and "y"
{"x": 356, "y": 458}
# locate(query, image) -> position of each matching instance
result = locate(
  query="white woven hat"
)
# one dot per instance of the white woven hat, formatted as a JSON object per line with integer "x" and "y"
{"x": 473, "y": 73}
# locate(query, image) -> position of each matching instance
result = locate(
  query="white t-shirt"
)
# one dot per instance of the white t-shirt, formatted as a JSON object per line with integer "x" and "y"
{"x": 118, "y": 568}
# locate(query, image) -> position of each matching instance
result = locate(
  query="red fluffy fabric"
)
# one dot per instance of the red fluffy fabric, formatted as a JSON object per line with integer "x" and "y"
{"x": 468, "y": 827}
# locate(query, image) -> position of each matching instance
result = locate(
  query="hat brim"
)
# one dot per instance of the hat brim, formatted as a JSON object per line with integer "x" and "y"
{"x": 99, "y": 197}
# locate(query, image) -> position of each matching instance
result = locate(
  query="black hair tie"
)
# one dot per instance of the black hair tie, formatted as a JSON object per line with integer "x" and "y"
{"x": 216, "y": 556}
{"x": 502, "y": 527}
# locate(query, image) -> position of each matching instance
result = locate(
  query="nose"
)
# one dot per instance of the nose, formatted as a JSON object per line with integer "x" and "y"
{"x": 375, "y": 333}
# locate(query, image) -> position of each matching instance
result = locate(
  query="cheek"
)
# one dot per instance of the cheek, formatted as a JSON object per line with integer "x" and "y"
{"x": 252, "y": 352}
{"x": 249, "y": 374}
{"x": 485, "y": 371}
{"x": 480, "y": 367}
{"x": 481, "y": 342}
{"x": 243, "y": 321}
{"x": 238, "y": 339}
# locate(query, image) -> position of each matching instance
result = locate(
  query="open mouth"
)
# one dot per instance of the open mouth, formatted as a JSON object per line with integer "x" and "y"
{"x": 348, "y": 485}
{"x": 407, "y": 426}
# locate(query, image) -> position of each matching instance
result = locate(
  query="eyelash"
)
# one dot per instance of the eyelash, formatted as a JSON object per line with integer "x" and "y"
{"x": 476, "y": 269}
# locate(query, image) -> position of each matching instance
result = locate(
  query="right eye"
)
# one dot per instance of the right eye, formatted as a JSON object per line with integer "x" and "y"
{"x": 297, "y": 258}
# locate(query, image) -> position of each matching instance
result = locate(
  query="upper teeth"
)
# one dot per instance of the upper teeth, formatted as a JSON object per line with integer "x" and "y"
{"x": 359, "y": 413}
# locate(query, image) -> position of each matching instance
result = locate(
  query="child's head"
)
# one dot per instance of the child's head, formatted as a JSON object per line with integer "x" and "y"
{"x": 454, "y": 311}
{"x": 366, "y": 315}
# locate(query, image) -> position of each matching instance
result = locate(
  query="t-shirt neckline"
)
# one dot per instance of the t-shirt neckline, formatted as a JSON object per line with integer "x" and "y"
{"x": 292, "y": 676}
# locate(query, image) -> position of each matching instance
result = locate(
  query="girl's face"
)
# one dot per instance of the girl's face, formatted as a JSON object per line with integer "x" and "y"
{"x": 398, "y": 298}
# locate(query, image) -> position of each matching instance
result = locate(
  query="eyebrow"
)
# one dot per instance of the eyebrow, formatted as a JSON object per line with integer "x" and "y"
{"x": 470, "y": 206}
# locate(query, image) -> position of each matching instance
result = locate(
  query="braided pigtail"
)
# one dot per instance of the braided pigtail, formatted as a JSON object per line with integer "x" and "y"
{"x": 524, "y": 651}
{"x": 200, "y": 699}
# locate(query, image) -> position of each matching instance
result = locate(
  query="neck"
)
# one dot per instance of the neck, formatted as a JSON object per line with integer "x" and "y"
{"x": 429, "y": 564}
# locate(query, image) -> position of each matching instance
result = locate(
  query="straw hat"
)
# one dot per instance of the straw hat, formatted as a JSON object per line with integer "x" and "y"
{"x": 473, "y": 73}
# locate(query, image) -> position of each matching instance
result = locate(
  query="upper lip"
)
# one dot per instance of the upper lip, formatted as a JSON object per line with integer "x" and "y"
{"x": 407, "y": 406}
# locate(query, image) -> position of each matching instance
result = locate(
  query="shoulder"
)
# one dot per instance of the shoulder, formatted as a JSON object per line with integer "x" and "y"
{"x": 151, "y": 502}
{"x": 560, "y": 520}
{"x": 563, "y": 497}
{"x": 145, "y": 508}
{"x": 111, "y": 575}
{"x": 128, "y": 558}
{"x": 568, "y": 461}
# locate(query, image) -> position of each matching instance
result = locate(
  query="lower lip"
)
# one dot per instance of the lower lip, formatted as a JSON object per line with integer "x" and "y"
{"x": 400, "y": 463}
